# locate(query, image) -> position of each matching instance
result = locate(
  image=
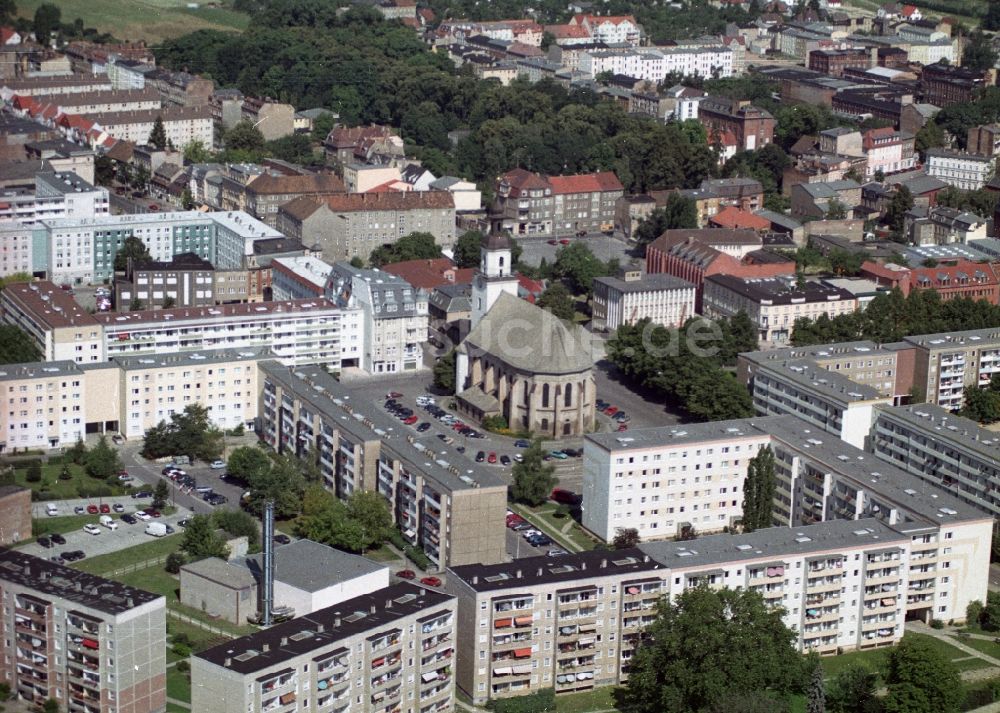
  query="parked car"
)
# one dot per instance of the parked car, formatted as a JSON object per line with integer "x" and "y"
{"x": 491, "y": 458}
{"x": 44, "y": 542}
{"x": 480, "y": 456}
{"x": 142, "y": 515}
{"x": 142, "y": 494}
{"x": 92, "y": 510}
{"x": 218, "y": 464}
{"x": 105, "y": 509}
{"x": 170, "y": 529}
{"x": 91, "y": 529}
{"x": 79, "y": 510}
{"x": 394, "y": 395}
{"x": 431, "y": 581}
{"x": 567, "y": 497}
{"x": 118, "y": 507}
{"x": 57, "y": 539}
{"x": 522, "y": 526}
{"x": 410, "y": 420}
{"x": 406, "y": 574}
{"x": 282, "y": 539}
{"x": 423, "y": 427}
{"x": 559, "y": 455}
{"x": 183, "y": 523}
{"x": 522, "y": 443}
{"x": 117, "y": 439}
{"x": 130, "y": 519}
{"x": 505, "y": 459}
{"x": 153, "y": 512}
{"x": 124, "y": 477}
{"x": 556, "y": 552}
{"x": 622, "y": 427}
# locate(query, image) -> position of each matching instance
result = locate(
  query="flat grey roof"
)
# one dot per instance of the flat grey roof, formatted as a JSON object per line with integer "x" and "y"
{"x": 189, "y": 358}
{"x": 639, "y": 438}
{"x": 312, "y": 566}
{"x": 38, "y": 370}
{"x": 648, "y": 283}
{"x": 810, "y": 376}
{"x": 969, "y": 338}
{"x": 221, "y": 572}
{"x": 366, "y": 422}
{"x": 941, "y": 424}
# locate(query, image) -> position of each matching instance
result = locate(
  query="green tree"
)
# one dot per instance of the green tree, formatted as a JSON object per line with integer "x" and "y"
{"x": 196, "y": 152}
{"x": 158, "y": 135}
{"x": 200, "y": 539}
{"x": 835, "y": 210}
{"x": 161, "y": 494}
{"x": 979, "y": 53}
{"x": 8, "y": 12}
{"x": 895, "y": 214}
{"x": 282, "y": 483}
{"x": 930, "y": 136}
{"x": 578, "y": 266}
{"x": 557, "y": 300}
{"x": 16, "y": 347}
{"x": 467, "y": 248}
{"x": 981, "y": 405}
{"x": 707, "y": 646}
{"x": 65, "y": 473}
{"x": 444, "y": 372}
{"x": 175, "y": 560}
{"x": 371, "y": 513}
{"x": 78, "y": 452}
{"x": 326, "y": 519}
{"x": 189, "y": 433}
{"x": 48, "y": 18}
{"x": 989, "y": 619}
{"x": 50, "y": 706}
{"x": 853, "y": 690}
{"x": 973, "y": 612}
{"x": 34, "y": 472}
{"x": 357, "y": 261}
{"x": 102, "y": 461}
{"x": 845, "y": 263}
{"x": 816, "y": 692}
{"x": 248, "y": 463}
{"x": 239, "y": 523}
{"x": 758, "y": 491}
{"x": 415, "y": 246}
{"x": 677, "y": 212}
{"x": 625, "y": 537}
{"x": 132, "y": 248}
{"x": 244, "y": 137}
{"x": 533, "y": 478}
{"x": 991, "y": 21}
{"x": 921, "y": 679}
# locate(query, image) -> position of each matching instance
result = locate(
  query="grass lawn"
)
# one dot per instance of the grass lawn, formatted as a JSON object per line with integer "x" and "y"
{"x": 543, "y": 517}
{"x": 875, "y": 658}
{"x": 971, "y": 664}
{"x": 226, "y": 626}
{"x": 986, "y": 647}
{"x": 178, "y": 685}
{"x": 63, "y": 489}
{"x": 153, "y": 579}
{"x": 383, "y": 554}
{"x": 200, "y": 639}
{"x": 597, "y": 700}
{"x": 156, "y": 547}
{"x": 151, "y": 20}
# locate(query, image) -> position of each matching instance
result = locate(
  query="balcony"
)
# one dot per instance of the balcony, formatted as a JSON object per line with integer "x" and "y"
{"x": 518, "y": 671}
{"x": 508, "y": 622}
{"x": 274, "y": 683}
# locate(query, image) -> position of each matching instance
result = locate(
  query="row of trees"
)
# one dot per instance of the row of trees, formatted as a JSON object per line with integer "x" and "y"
{"x": 891, "y": 316}
{"x": 686, "y": 365}
{"x": 360, "y": 523}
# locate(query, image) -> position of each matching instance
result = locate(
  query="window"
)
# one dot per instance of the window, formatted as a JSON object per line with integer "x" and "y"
{"x": 545, "y": 396}
{"x": 568, "y": 395}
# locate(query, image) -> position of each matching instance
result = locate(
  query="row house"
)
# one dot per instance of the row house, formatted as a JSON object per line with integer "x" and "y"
{"x": 888, "y": 151}
{"x": 454, "y": 514}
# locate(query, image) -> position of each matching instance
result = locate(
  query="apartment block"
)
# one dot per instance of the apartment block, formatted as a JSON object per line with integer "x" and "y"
{"x": 185, "y": 281}
{"x": 736, "y": 123}
{"x": 454, "y": 513}
{"x": 93, "y": 645}
{"x": 967, "y": 171}
{"x": 667, "y": 483}
{"x": 296, "y": 331}
{"x": 354, "y": 224}
{"x": 532, "y": 204}
{"x": 663, "y": 299}
{"x": 390, "y": 650}
{"x": 773, "y": 303}
{"x": 44, "y": 405}
{"x": 15, "y": 513}
{"x": 60, "y": 328}
{"x": 299, "y": 278}
{"x": 575, "y": 624}
{"x": 181, "y": 124}
{"x": 943, "y": 449}
{"x": 56, "y": 195}
{"x": 944, "y": 364}
{"x": 272, "y": 118}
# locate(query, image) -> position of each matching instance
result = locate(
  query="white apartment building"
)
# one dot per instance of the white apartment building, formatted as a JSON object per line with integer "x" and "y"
{"x": 574, "y": 624}
{"x": 661, "y": 298}
{"x": 661, "y": 481}
{"x": 379, "y": 652}
{"x": 889, "y": 151}
{"x": 296, "y": 331}
{"x": 93, "y": 645}
{"x": 181, "y": 124}
{"x": 44, "y": 405}
{"x": 56, "y": 195}
{"x": 655, "y": 64}
{"x": 395, "y": 316}
{"x": 60, "y": 328}
{"x": 969, "y": 172}
{"x": 16, "y": 253}
{"x": 611, "y": 29}
{"x": 235, "y": 234}
{"x": 826, "y": 399}
{"x": 299, "y": 278}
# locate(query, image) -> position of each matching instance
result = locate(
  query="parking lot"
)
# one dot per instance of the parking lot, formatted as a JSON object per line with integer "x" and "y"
{"x": 106, "y": 541}
{"x": 604, "y": 248}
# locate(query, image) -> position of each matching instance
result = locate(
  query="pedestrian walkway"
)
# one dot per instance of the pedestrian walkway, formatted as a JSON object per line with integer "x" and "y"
{"x": 948, "y": 637}
{"x": 179, "y": 703}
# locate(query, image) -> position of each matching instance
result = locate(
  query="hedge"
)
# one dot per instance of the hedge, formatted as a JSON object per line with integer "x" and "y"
{"x": 417, "y": 556}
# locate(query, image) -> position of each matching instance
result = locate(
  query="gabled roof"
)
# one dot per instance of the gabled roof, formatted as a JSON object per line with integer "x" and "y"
{"x": 735, "y": 218}
{"x": 586, "y": 183}
{"x": 431, "y": 273}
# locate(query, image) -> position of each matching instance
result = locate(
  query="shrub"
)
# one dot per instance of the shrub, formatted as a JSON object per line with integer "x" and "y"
{"x": 4, "y": 691}
{"x": 182, "y": 650}
{"x": 544, "y": 700}
{"x": 182, "y": 638}
{"x": 65, "y": 473}
{"x": 396, "y": 538}
{"x": 183, "y": 666}
{"x": 937, "y": 624}
{"x": 175, "y": 560}
{"x": 417, "y": 556}
{"x": 34, "y": 473}
{"x": 973, "y": 612}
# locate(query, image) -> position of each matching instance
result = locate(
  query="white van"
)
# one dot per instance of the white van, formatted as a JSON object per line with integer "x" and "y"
{"x": 109, "y": 522}
{"x": 51, "y": 510}
{"x": 156, "y": 529}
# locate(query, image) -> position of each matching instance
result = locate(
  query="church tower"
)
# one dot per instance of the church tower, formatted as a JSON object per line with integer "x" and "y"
{"x": 495, "y": 275}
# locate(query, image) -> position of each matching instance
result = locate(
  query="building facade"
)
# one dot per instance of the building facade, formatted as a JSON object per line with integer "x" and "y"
{"x": 969, "y": 172}
{"x": 663, "y": 299}
{"x": 532, "y": 204}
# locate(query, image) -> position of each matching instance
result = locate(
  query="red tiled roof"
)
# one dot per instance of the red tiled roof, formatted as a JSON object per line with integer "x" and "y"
{"x": 564, "y": 32}
{"x": 5, "y": 34}
{"x": 734, "y": 218}
{"x": 428, "y": 274}
{"x": 974, "y": 274}
{"x": 530, "y": 287}
{"x": 390, "y": 186}
{"x": 602, "y": 19}
{"x": 908, "y": 10}
{"x": 586, "y": 183}
{"x": 520, "y": 180}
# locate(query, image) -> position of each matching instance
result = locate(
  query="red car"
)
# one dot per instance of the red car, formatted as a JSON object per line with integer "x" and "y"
{"x": 410, "y": 420}
{"x": 622, "y": 427}
{"x": 92, "y": 509}
{"x": 566, "y": 497}
{"x": 406, "y": 574}
{"x": 152, "y": 513}
{"x": 431, "y": 581}
{"x": 611, "y": 410}
{"x": 394, "y": 395}
{"x": 553, "y": 242}
{"x": 491, "y": 458}
{"x": 105, "y": 508}
{"x": 564, "y": 241}
{"x": 514, "y": 520}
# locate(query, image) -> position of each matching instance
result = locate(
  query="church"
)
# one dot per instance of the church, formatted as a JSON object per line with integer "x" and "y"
{"x": 520, "y": 361}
